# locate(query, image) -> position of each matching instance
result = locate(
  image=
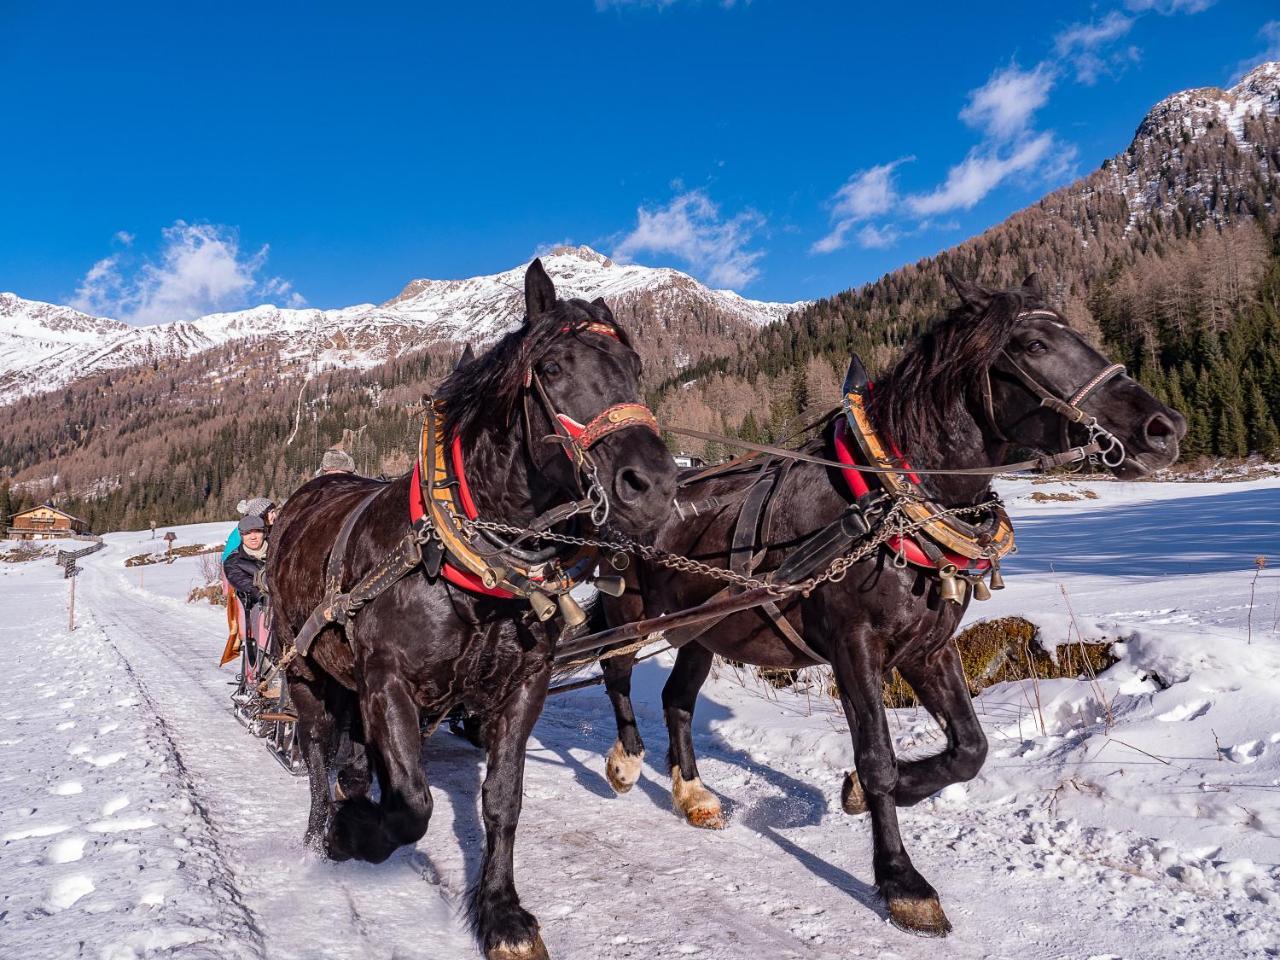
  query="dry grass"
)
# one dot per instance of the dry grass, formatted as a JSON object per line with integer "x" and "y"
{"x": 191, "y": 550}
{"x": 211, "y": 593}
{"x": 996, "y": 651}
{"x": 25, "y": 552}
{"x": 1041, "y": 497}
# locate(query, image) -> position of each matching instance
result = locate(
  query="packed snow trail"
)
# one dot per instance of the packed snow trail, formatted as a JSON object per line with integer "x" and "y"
{"x": 1142, "y": 840}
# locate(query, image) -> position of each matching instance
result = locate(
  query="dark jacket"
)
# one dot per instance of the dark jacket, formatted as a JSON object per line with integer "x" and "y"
{"x": 240, "y": 569}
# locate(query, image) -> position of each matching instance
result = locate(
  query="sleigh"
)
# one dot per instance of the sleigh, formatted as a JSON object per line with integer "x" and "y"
{"x": 261, "y": 698}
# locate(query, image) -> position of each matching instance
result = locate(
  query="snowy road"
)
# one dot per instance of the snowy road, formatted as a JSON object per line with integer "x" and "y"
{"x": 137, "y": 818}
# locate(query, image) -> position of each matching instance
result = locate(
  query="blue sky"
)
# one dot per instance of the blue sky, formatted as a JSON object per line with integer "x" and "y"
{"x": 163, "y": 161}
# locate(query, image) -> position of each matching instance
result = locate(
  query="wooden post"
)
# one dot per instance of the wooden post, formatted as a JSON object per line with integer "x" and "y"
{"x": 71, "y": 617}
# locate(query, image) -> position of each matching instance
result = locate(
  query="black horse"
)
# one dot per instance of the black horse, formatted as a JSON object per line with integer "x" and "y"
{"x": 955, "y": 400}
{"x": 424, "y": 645}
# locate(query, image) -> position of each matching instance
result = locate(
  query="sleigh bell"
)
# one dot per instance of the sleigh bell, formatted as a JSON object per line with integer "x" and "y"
{"x": 492, "y": 576}
{"x": 544, "y": 608}
{"x": 997, "y": 581}
{"x": 980, "y": 589}
{"x": 613, "y": 586}
{"x": 950, "y": 586}
{"x": 573, "y": 614}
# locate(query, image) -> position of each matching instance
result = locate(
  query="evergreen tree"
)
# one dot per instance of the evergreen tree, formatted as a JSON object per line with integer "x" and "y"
{"x": 6, "y": 506}
{"x": 1264, "y": 437}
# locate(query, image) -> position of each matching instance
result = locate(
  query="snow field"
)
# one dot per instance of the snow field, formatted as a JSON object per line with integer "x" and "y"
{"x": 1135, "y": 817}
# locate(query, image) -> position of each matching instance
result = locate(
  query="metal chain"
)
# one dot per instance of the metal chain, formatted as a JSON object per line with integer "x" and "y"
{"x": 893, "y": 523}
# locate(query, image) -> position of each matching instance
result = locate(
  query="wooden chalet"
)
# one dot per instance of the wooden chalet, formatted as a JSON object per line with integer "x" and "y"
{"x": 45, "y": 522}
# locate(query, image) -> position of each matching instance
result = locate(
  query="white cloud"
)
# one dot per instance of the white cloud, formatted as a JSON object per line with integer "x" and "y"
{"x": 125, "y": 237}
{"x": 200, "y": 270}
{"x": 865, "y": 195}
{"x": 1270, "y": 36}
{"x": 1169, "y": 7}
{"x": 690, "y": 227}
{"x": 1084, "y": 45}
{"x": 872, "y": 237}
{"x": 1003, "y": 106}
{"x": 979, "y": 173}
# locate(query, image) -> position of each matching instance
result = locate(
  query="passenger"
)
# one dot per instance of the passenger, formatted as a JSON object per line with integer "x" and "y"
{"x": 336, "y": 460}
{"x": 257, "y": 507}
{"x": 246, "y": 560}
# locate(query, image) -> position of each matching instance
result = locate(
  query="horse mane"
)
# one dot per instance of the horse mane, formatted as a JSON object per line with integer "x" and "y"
{"x": 921, "y": 400}
{"x": 483, "y": 392}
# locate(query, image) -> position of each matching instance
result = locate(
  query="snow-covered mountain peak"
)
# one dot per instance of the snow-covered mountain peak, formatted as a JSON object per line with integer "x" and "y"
{"x": 43, "y": 346}
{"x": 48, "y": 321}
{"x": 1192, "y": 113}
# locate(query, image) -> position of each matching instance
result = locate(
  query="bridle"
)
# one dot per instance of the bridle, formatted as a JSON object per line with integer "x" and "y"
{"x": 577, "y": 439}
{"x": 1112, "y": 452}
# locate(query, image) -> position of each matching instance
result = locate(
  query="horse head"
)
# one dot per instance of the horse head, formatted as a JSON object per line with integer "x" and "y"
{"x": 1047, "y": 389}
{"x": 568, "y": 382}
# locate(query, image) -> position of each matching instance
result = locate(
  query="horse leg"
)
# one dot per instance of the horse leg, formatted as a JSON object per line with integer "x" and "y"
{"x": 913, "y": 903}
{"x": 623, "y": 762}
{"x": 355, "y": 774}
{"x": 368, "y": 831}
{"x": 315, "y": 728}
{"x": 699, "y": 805}
{"x": 505, "y": 930}
{"x": 940, "y": 684}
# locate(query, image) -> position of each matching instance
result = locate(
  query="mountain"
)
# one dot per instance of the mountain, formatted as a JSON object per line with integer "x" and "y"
{"x": 1167, "y": 254}
{"x": 44, "y": 347}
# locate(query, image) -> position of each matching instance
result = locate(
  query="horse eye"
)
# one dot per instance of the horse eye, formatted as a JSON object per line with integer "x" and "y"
{"x": 1035, "y": 346}
{"x": 551, "y": 368}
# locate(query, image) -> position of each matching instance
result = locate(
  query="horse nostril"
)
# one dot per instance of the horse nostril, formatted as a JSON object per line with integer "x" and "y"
{"x": 631, "y": 484}
{"x": 1160, "y": 431}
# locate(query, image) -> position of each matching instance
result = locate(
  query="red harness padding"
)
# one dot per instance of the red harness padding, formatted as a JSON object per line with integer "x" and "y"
{"x": 907, "y": 546}
{"x": 417, "y": 510}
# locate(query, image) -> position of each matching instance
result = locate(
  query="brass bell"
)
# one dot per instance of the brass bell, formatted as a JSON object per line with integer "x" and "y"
{"x": 492, "y": 576}
{"x": 950, "y": 586}
{"x": 980, "y": 589}
{"x": 613, "y": 586}
{"x": 569, "y": 609}
{"x": 544, "y": 608}
{"x": 997, "y": 581}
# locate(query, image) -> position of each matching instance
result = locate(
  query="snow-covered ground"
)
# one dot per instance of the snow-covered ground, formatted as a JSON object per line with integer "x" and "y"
{"x": 138, "y": 818}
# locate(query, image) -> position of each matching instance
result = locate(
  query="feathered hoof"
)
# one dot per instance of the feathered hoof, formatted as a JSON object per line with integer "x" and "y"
{"x": 852, "y": 798}
{"x": 699, "y": 805}
{"x": 533, "y": 949}
{"x": 621, "y": 769}
{"x": 923, "y": 918}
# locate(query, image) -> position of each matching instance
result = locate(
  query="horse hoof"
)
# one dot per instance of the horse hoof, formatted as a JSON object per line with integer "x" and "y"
{"x": 621, "y": 769}
{"x": 923, "y": 918}
{"x": 706, "y": 818}
{"x": 699, "y": 805}
{"x": 852, "y": 798}
{"x": 533, "y": 949}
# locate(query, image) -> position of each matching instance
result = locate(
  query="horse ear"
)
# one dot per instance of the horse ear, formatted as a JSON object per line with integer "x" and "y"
{"x": 468, "y": 356}
{"x": 971, "y": 294}
{"x": 539, "y": 291}
{"x": 1032, "y": 287}
{"x": 599, "y": 302}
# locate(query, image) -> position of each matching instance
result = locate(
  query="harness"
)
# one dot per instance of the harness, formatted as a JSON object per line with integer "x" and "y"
{"x": 444, "y": 542}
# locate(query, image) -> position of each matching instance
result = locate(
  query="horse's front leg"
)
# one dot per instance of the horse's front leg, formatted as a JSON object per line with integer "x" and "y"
{"x": 699, "y": 805}
{"x": 365, "y": 830}
{"x": 626, "y": 756}
{"x": 940, "y": 684}
{"x": 505, "y": 930}
{"x": 858, "y": 666}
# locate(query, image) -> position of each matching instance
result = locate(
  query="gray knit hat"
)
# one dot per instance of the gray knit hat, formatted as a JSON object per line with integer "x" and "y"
{"x": 250, "y": 523}
{"x": 336, "y": 459}
{"x": 257, "y": 507}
